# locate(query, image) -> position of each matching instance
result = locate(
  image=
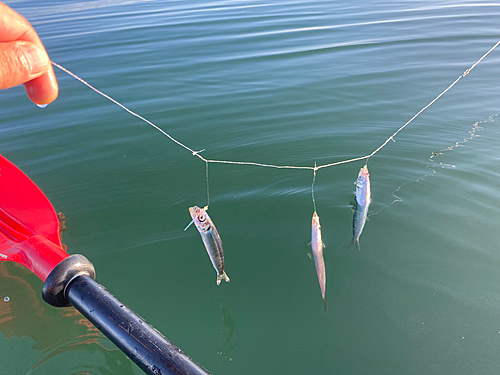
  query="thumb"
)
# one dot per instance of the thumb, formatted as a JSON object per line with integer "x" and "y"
{"x": 21, "y": 62}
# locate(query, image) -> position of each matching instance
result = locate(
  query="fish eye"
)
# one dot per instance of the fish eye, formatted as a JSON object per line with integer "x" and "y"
{"x": 201, "y": 218}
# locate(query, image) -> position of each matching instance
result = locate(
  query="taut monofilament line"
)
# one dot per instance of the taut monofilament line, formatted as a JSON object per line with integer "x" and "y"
{"x": 314, "y": 168}
{"x": 362, "y": 200}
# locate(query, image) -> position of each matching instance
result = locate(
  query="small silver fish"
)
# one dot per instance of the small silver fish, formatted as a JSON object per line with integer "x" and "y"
{"x": 211, "y": 239}
{"x": 317, "y": 246}
{"x": 362, "y": 202}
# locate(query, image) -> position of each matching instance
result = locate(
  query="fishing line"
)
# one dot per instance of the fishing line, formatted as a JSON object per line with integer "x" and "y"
{"x": 208, "y": 187}
{"x": 312, "y": 187}
{"x": 194, "y": 153}
{"x": 342, "y": 246}
{"x": 476, "y": 127}
{"x": 315, "y": 168}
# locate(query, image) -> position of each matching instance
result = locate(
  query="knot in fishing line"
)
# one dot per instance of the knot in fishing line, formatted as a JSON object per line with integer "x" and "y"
{"x": 315, "y": 168}
{"x": 195, "y": 153}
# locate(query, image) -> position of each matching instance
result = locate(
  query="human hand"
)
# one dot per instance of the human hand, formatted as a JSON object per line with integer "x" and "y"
{"x": 23, "y": 59}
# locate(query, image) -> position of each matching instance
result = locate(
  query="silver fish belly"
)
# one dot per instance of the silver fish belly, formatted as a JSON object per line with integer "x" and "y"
{"x": 211, "y": 239}
{"x": 317, "y": 246}
{"x": 362, "y": 202}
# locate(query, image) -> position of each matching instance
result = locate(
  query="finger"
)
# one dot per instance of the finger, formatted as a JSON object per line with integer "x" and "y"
{"x": 21, "y": 62}
{"x": 44, "y": 89}
{"x": 13, "y": 26}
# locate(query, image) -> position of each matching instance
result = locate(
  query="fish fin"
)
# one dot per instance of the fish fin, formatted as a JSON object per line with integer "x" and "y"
{"x": 324, "y": 304}
{"x": 354, "y": 242}
{"x": 352, "y": 203}
{"x": 222, "y": 277}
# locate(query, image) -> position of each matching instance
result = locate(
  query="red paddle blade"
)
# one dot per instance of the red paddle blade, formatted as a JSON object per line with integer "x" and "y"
{"x": 29, "y": 226}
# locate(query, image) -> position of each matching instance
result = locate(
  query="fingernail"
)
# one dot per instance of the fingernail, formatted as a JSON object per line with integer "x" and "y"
{"x": 36, "y": 58}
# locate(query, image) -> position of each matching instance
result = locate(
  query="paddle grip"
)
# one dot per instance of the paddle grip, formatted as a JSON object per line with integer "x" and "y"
{"x": 72, "y": 282}
{"x": 54, "y": 289}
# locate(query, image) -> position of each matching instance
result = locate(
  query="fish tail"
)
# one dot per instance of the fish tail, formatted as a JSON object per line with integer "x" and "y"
{"x": 354, "y": 241}
{"x": 222, "y": 277}
{"x": 351, "y": 243}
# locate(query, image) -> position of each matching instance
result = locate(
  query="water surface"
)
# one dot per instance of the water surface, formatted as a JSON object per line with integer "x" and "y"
{"x": 288, "y": 83}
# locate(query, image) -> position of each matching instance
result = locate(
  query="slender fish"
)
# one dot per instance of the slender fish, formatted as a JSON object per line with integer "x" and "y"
{"x": 317, "y": 246}
{"x": 211, "y": 239}
{"x": 362, "y": 202}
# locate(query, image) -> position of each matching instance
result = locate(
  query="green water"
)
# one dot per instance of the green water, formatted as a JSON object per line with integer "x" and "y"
{"x": 288, "y": 83}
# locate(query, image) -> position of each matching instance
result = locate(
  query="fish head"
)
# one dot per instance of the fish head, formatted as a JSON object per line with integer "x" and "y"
{"x": 363, "y": 176}
{"x": 193, "y": 211}
{"x": 315, "y": 221}
{"x": 364, "y": 172}
{"x": 199, "y": 216}
{"x": 363, "y": 194}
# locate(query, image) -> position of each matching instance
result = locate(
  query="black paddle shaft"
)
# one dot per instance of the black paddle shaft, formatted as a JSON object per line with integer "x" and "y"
{"x": 71, "y": 282}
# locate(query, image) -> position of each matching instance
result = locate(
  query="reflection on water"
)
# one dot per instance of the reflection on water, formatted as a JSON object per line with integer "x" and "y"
{"x": 226, "y": 339}
{"x": 48, "y": 336}
{"x": 435, "y": 160}
{"x": 285, "y": 83}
